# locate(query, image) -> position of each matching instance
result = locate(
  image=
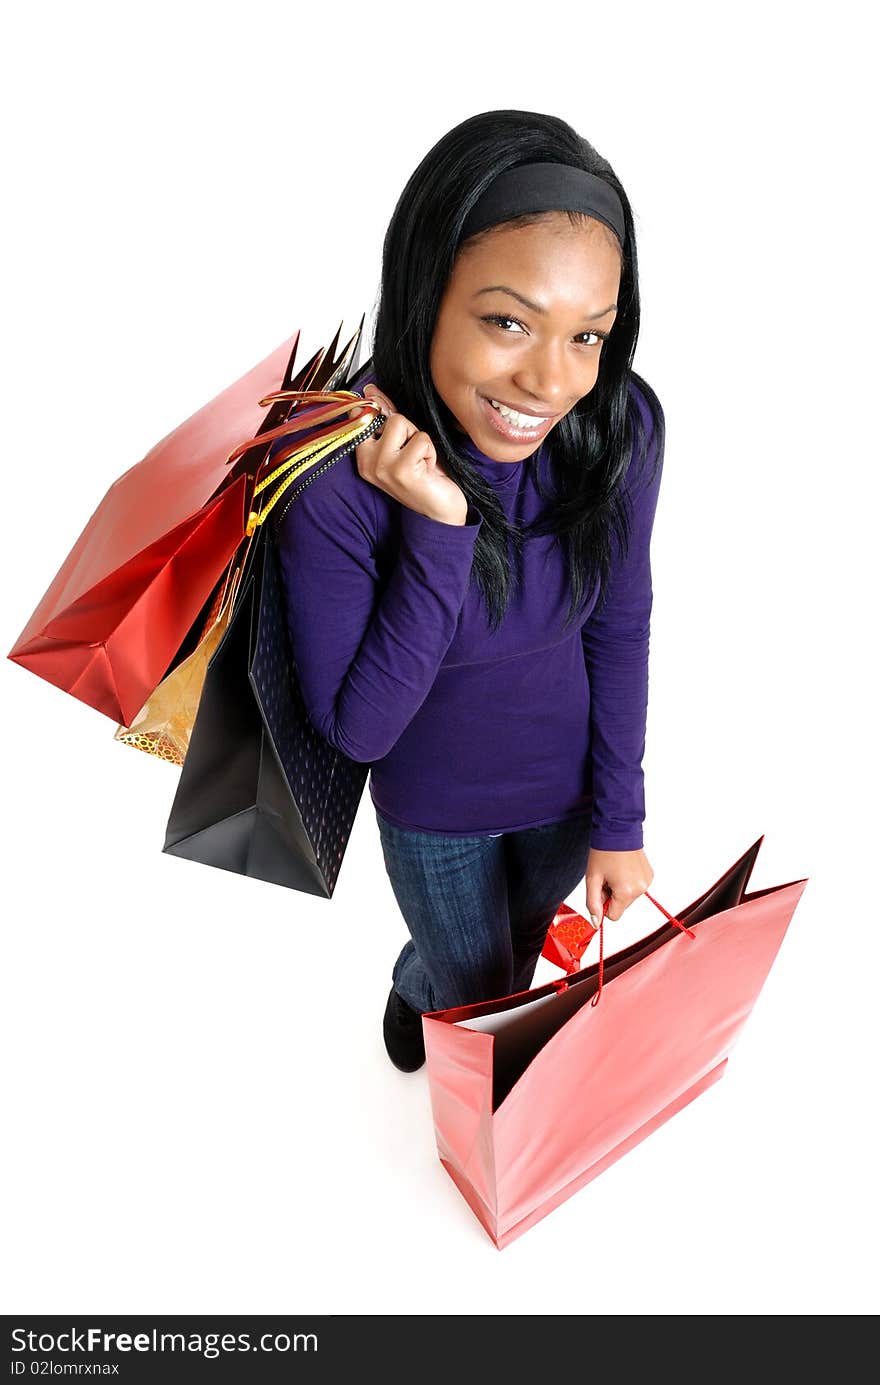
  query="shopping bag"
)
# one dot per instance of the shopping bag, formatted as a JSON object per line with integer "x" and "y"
{"x": 112, "y": 620}
{"x": 536, "y": 1094}
{"x": 164, "y": 724}
{"x": 140, "y": 573}
{"x": 261, "y": 792}
{"x": 568, "y": 938}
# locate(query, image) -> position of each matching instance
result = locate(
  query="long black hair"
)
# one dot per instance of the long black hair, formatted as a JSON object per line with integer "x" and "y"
{"x": 592, "y": 446}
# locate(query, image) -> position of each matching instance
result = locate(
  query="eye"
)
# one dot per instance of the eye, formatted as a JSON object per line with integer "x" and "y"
{"x": 498, "y": 319}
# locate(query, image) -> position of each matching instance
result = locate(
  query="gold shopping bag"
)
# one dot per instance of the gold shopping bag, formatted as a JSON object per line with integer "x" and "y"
{"x": 164, "y": 724}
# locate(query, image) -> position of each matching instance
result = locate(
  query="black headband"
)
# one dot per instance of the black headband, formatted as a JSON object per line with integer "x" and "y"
{"x": 546, "y": 187}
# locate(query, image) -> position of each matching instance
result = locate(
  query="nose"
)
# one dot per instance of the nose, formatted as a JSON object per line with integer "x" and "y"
{"x": 546, "y": 376}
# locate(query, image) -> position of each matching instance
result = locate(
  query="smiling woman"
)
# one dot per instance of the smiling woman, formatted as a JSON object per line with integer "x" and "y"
{"x": 469, "y": 593}
{"x": 510, "y": 379}
{"x": 461, "y": 229}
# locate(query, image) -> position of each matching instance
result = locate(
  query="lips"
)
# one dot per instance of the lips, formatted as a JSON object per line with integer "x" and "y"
{"x": 521, "y": 409}
{"x": 508, "y": 431}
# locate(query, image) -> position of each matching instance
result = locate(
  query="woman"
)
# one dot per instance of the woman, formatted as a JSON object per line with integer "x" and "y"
{"x": 470, "y": 592}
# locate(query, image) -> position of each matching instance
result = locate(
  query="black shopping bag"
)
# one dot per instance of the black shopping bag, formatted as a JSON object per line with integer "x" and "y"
{"x": 261, "y": 792}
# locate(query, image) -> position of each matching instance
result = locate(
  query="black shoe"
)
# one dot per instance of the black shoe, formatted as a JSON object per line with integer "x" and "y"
{"x": 402, "y": 1029}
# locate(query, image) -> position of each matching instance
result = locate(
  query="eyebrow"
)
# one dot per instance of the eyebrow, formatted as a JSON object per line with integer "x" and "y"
{"x": 536, "y": 307}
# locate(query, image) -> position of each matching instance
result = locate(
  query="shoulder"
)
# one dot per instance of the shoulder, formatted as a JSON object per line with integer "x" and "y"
{"x": 332, "y": 498}
{"x": 646, "y": 414}
{"x": 364, "y": 376}
{"x": 647, "y": 432}
{"x": 337, "y": 497}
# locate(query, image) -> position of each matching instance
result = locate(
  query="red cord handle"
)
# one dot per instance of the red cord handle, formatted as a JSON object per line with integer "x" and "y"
{"x": 563, "y": 985}
{"x": 683, "y": 926}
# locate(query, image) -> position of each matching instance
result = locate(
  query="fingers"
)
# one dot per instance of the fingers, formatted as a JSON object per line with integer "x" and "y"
{"x": 397, "y": 442}
{"x": 620, "y": 877}
{"x": 596, "y": 895}
{"x": 377, "y": 397}
{"x": 373, "y": 392}
{"x": 620, "y": 896}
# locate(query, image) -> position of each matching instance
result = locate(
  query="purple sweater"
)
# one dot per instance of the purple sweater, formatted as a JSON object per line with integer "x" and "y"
{"x": 469, "y": 732}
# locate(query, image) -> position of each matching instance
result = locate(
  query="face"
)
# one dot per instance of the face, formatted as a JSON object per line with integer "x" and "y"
{"x": 537, "y": 357}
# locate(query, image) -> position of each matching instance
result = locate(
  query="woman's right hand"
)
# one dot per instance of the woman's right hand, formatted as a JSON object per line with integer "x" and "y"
{"x": 402, "y": 461}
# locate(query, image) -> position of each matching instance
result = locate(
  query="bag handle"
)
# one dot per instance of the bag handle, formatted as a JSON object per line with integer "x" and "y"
{"x": 339, "y": 429}
{"x": 563, "y": 984}
{"x": 330, "y": 404}
{"x": 678, "y": 923}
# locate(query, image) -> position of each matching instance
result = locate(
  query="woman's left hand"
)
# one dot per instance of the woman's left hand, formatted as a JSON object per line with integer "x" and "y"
{"x": 622, "y": 875}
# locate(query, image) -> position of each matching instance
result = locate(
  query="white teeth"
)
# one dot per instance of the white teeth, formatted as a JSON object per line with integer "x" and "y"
{"x": 517, "y": 419}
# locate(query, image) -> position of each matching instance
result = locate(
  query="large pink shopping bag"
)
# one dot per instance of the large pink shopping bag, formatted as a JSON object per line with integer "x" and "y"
{"x": 536, "y": 1094}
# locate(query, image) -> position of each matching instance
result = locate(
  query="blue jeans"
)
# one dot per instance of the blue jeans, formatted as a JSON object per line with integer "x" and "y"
{"x": 478, "y": 908}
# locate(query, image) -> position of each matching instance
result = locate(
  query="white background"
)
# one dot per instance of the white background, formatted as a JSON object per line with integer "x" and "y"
{"x": 202, "y": 1117}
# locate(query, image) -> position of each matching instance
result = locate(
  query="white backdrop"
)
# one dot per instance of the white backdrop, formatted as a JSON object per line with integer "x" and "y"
{"x": 202, "y": 1114}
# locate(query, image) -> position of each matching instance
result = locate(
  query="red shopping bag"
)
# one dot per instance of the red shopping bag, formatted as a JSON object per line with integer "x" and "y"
{"x": 536, "y": 1094}
{"x": 568, "y": 938}
{"x": 153, "y": 552}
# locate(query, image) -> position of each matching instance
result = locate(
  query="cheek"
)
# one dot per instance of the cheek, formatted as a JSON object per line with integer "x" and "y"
{"x": 589, "y": 375}
{"x": 450, "y": 373}
{"x": 480, "y": 359}
{"x": 450, "y": 355}
{"x": 466, "y": 369}
{"x": 593, "y": 372}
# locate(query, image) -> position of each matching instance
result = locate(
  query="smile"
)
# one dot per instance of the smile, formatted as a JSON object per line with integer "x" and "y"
{"x": 516, "y": 427}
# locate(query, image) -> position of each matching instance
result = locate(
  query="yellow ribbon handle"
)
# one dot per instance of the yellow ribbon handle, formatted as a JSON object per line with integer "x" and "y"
{"x": 328, "y": 439}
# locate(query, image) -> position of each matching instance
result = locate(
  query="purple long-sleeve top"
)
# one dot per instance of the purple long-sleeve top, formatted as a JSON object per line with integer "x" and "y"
{"x": 469, "y": 731}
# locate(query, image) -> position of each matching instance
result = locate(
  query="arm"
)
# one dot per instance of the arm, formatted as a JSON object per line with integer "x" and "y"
{"x": 366, "y": 661}
{"x": 616, "y": 643}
